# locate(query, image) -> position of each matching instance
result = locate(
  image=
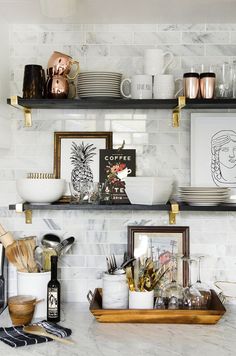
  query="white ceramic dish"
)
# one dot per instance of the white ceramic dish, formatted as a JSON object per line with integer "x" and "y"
{"x": 40, "y": 191}
{"x": 148, "y": 190}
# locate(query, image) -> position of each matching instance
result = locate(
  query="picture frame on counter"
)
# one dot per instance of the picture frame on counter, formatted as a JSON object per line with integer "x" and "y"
{"x": 158, "y": 242}
{"x": 213, "y": 161}
{"x": 76, "y": 155}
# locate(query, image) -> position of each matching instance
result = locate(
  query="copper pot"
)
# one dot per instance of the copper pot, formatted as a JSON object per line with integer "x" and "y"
{"x": 57, "y": 87}
{"x": 62, "y": 64}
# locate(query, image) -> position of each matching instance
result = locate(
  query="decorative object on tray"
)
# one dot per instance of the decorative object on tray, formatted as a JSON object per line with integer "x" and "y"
{"x": 99, "y": 84}
{"x": 76, "y": 156}
{"x": 209, "y": 316}
{"x": 40, "y": 188}
{"x": 159, "y": 242}
{"x": 200, "y": 196}
{"x": 115, "y": 166}
{"x": 213, "y": 161}
{"x": 148, "y": 190}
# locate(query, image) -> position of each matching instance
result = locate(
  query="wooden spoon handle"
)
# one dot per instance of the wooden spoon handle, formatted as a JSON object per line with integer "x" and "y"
{"x": 60, "y": 339}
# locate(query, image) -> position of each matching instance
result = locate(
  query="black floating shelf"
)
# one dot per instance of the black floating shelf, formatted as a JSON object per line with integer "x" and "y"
{"x": 160, "y": 207}
{"x": 105, "y": 103}
{"x": 68, "y": 206}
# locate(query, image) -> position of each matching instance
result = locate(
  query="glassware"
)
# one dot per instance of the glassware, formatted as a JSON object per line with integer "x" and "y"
{"x": 223, "y": 81}
{"x": 192, "y": 296}
{"x": 173, "y": 291}
{"x": 233, "y": 79}
{"x": 203, "y": 288}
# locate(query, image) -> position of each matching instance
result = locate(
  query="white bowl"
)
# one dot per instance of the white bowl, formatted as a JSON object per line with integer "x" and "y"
{"x": 148, "y": 190}
{"x": 40, "y": 191}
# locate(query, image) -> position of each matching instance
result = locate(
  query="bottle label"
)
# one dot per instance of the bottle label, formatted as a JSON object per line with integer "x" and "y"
{"x": 53, "y": 302}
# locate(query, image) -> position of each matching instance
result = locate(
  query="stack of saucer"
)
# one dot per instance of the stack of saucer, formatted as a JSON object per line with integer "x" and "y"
{"x": 99, "y": 84}
{"x": 204, "y": 196}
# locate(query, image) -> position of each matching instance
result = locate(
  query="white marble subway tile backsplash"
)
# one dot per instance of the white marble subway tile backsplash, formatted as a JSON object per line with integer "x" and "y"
{"x": 161, "y": 150}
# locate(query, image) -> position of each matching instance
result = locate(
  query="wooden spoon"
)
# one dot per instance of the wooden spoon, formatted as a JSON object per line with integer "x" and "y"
{"x": 40, "y": 331}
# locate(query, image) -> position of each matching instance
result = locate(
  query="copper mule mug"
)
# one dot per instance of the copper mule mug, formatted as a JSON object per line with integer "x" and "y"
{"x": 62, "y": 64}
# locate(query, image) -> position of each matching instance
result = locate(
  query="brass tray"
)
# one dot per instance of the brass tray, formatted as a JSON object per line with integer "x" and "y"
{"x": 155, "y": 316}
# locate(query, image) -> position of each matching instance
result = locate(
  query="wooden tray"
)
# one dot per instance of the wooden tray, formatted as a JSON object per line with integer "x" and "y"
{"x": 154, "y": 316}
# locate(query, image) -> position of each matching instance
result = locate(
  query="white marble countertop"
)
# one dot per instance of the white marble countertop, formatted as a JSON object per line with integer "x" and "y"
{"x": 93, "y": 338}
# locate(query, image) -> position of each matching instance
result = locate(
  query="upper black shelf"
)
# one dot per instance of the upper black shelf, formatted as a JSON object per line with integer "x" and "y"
{"x": 160, "y": 207}
{"x": 94, "y": 103}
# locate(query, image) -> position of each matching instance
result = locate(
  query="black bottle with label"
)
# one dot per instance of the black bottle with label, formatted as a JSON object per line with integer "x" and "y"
{"x": 53, "y": 294}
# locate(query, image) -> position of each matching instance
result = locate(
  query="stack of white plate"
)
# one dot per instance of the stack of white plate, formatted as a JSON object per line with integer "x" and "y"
{"x": 204, "y": 196}
{"x": 99, "y": 84}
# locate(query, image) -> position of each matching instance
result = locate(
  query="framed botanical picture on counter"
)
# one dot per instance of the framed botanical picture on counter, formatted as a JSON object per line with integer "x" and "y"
{"x": 76, "y": 155}
{"x": 160, "y": 242}
{"x": 115, "y": 165}
{"x": 213, "y": 150}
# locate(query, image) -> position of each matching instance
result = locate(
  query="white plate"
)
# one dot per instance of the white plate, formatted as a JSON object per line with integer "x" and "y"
{"x": 202, "y": 204}
{"x": 94, "y": 95}
{"x": 203, "y": 189}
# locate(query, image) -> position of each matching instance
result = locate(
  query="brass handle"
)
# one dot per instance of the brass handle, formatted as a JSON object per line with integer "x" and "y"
{"x": 77, "y": 71}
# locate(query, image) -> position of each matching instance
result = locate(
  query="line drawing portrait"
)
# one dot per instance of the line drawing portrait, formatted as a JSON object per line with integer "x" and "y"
{"x": 223, "y": 158}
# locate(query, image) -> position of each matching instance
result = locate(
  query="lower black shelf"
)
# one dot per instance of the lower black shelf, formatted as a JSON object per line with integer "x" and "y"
{"x": 160, "y": 207}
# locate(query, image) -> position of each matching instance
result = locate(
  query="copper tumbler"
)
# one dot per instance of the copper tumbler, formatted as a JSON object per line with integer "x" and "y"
{"x": 191, "y": 85}
{"x": 207, "y": 85}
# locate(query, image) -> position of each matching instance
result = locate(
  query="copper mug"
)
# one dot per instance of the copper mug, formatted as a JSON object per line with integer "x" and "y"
{"x": 58, "y": 86}
{"x": 62, "y": 64}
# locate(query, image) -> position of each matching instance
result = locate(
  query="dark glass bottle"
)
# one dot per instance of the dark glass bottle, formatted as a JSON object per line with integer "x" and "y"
{"x": 53, "y": 294}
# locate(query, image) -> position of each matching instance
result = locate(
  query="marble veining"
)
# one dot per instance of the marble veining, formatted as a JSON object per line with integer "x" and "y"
{"x": 93, "y": 338}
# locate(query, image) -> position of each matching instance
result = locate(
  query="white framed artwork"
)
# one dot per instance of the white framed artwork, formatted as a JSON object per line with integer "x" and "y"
{"x": 213, "y": 150}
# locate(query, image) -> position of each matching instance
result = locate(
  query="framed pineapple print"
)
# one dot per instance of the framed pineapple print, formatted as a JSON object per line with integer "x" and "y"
{"x": 76, "y": 155}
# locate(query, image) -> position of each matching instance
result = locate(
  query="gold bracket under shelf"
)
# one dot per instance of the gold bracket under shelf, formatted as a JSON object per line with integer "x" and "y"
{"x": 28, "y": 213}
{"x": 173, "y": 212}
{"x": 26, "y": 111}
{"x": 177, "y": 111}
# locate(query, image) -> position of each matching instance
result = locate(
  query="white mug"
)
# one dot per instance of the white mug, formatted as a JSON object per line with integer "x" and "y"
{"x": 124, "y": 173}
{"x": 154, "y": 61}
{"x": 141, "y": 300}
{"x": 164, "y": 86}
{"x": 140, "y": 87}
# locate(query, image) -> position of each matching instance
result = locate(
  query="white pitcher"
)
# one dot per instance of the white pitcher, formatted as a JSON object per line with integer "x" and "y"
{"x": 154, "y": 61}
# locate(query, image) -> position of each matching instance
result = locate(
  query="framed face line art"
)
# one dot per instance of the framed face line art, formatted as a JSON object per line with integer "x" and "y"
{"x": 213, "y": 150}
{"x": 76, "y": 155}
{"x": 159, "y": 242}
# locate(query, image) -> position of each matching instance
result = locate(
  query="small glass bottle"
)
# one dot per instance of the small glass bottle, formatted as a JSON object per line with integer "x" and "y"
{"x": 53, "y": 294}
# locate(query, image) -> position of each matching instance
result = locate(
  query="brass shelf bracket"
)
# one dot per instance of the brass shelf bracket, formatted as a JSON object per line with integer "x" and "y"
{"x": 177, "y": 111}
{"x": 26, "y": 111}
{"x": 28, "y": 216}
{"x": 28, "y": 213}
{"x": 173, "y": 212}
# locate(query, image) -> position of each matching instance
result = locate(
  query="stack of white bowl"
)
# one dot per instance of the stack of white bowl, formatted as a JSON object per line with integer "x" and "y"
{"x": 99, "y": 84}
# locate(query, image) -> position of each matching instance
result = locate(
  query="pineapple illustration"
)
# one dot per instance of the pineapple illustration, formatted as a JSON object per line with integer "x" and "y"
{"x": 81, "y": 156}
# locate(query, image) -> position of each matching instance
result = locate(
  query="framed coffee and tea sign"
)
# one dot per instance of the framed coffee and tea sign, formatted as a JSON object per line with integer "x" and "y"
{"x": 115, "y": 165}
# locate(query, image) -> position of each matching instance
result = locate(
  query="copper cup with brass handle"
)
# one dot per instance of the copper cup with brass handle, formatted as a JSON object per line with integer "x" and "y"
{"x": 62, "y": 64}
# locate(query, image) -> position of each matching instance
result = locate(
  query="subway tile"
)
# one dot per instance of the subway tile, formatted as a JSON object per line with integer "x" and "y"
{"x": 205, "y": 37}
{"x": 156, "y": 38}
{"x": 220, "y": 50}
{"x": 181, "y": 27}
{"x": 108, "y": 38}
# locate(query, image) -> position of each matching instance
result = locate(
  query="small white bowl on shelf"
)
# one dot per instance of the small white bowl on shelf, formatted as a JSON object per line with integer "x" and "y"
{"x": 148, "y": 190}
{"x": 40, "y": 191}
